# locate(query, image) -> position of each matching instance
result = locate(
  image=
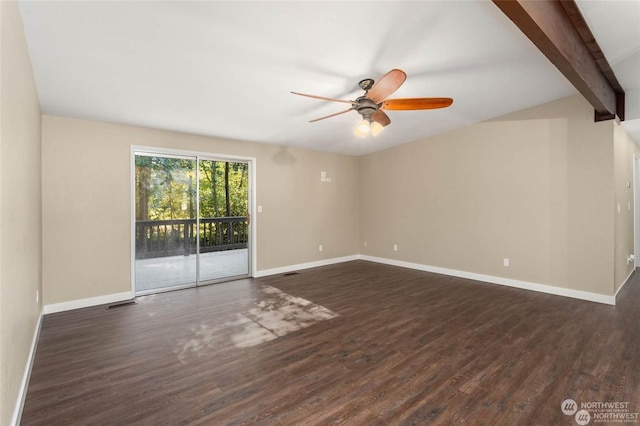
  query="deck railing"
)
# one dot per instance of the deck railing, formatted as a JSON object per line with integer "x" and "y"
{"x": 160, "y": 238}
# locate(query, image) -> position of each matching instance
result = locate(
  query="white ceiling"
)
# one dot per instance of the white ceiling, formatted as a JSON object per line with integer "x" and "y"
{"x": 225, "y": 69}
{"x": 616, "y": 27}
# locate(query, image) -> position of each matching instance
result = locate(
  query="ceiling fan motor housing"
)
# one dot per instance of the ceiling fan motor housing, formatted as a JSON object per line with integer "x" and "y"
{"x": 366, "y": 107}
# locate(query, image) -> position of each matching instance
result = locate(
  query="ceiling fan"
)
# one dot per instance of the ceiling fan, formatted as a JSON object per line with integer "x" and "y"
{"x": 372, "y": 104}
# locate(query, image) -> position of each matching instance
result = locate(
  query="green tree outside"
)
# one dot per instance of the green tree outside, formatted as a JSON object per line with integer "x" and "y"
{"x": 166, "y": 188}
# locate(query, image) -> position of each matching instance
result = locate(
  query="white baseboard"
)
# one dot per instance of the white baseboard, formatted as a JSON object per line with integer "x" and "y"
{"x": 625, "y": 282}
{"x": 22, "y": 392}
{"x": 300, "y": 266}
{"x": 543, "y": 288}
{"x": 85, "y": 303}
{"x": 525, "y": 285}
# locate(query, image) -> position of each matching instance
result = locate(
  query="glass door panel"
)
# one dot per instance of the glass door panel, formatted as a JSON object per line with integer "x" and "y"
{"x": 166, "y": 222}
{"x": 223, "y": 222}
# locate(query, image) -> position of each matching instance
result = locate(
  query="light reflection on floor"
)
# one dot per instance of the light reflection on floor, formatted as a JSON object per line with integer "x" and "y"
{"x": 274, "y": 315}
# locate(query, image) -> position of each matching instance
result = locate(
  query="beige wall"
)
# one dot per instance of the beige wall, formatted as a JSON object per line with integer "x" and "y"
{"x": 86, "y": 203}
{"x": 20, "y": 207}
{"x": 624, "y": 151}
{"x": 534, "y": 186}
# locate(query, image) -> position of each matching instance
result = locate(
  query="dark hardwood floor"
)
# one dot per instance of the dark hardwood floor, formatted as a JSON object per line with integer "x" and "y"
{"x": 407, "y": 347}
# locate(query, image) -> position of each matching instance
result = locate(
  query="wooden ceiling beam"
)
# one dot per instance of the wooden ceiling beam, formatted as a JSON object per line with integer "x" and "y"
{"x": 559, "y": 31}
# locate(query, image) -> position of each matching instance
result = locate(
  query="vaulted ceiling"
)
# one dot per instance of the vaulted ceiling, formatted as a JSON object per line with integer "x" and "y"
{"x": 226, "y": 69}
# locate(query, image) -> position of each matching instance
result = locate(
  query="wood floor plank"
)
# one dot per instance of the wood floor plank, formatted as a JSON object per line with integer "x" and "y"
{"x": 406, "y": 347}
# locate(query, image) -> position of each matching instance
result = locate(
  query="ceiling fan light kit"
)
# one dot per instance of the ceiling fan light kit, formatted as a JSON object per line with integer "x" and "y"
{"x": 363, "y": 128}
{"x": 367, "y": 127}
{"x": 372, "y": 104}
{"x": 376, "y": 128}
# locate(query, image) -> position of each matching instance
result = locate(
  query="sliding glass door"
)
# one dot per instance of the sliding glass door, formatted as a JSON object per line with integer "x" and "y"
{"x": 191, "y": 221}
{"x": 223, "y": 221}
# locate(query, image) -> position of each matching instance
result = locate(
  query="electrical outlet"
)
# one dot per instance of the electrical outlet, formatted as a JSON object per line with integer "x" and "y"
{"x": 37, "y": 296}
{"x": 395, "y": 247}
{"x": 320, "y": 248}
{"x": 505, "y": 261}
{"x": 365, "y": 244}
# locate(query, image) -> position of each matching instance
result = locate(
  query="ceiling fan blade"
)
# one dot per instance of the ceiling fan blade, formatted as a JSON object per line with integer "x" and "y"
{"x": 332, "y": 115}
{"x": 381, "y": 118}
{"x": 416, "y": 103}
{"x": 326, "y": 99}
{"x": 387, "y": 85}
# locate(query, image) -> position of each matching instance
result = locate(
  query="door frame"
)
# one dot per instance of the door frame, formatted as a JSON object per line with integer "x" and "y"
{"x": 151, "y": 150}
{"x": 636, "y": 210}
